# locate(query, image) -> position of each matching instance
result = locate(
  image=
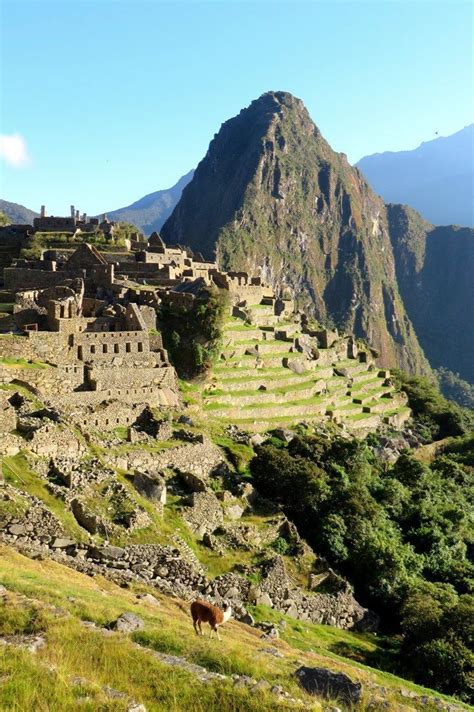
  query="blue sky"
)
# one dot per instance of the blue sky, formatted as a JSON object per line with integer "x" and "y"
{"x": 107, "y": 101}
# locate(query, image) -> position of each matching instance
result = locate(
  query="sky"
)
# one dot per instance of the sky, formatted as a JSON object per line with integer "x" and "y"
{"x": 104, "y": 102}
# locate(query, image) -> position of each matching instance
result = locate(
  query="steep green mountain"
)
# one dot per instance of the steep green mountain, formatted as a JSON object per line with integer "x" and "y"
{"x": 435, "y": 268}
{"x": 271, "y": 194}
{"x": 437, "y": 178}
{"x": 18, "y": 214}
{"x": 150, "y": 212}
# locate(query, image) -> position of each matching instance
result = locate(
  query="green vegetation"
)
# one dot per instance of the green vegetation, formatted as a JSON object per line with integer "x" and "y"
{"x": 77, "y": 663}
{"x": 49, "y": 240}
{"x": 4, "y": 219}
{"x": 124, "y": 231}
{"x": 402, "y": 534}
{"x": 455, "y": 388}
{"x": 21, "y": 363}
{"x": 193, "y": 336}
{"x": 435, "y": 417}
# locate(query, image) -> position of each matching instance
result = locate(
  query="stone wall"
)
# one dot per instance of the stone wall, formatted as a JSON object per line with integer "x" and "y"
{"x": 201, "y": 459}
{"x": 7, "y": 414}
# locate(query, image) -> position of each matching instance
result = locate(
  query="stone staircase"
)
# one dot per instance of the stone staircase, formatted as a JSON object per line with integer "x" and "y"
{"x": 265, "y": 378}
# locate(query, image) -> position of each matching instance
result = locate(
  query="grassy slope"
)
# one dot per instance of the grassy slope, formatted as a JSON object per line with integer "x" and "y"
{"x": 58, "y": 599}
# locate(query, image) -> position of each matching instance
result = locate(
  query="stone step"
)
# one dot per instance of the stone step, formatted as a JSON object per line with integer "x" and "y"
{"x": 312, "y": 407}
{"x": 261, "y": 397}
{"x": 364, "y": 421}
{"x": 284, "y": 379}
{"x": 368, "y": 396}
{"x": 382, "y": 405}
{"x": 234, "y": 336}
{"x": 352, "y": 366}
{"x": 398, "y": 417}
{"x": 263, "y": 346}
{"x": 265, "y": 360}
{"x": 372, "y": 384}
{"x": 364, "y": 376}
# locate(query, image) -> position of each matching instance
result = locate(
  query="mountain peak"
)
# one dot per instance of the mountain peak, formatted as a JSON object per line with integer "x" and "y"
{"x": 271, "y": 195}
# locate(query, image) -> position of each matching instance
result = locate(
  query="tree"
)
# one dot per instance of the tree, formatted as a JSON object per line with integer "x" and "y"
{"x": 4, "y": 219}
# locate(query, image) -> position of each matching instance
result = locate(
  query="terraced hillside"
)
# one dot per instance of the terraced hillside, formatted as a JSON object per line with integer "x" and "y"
{"x": 273, "y": 374}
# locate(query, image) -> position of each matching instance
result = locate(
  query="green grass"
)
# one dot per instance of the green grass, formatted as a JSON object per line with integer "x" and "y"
{"x": 21, "y": 363}
{"x": 261, "y": 374}
{"x": 59, "y": 598}
{"x": 16, "y": 388}
{"x": 314, "y": 400}
{"x": 239, "y": 454}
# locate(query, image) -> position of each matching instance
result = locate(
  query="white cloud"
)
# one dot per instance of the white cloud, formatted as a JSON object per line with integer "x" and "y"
{"x": 14, "y": 151}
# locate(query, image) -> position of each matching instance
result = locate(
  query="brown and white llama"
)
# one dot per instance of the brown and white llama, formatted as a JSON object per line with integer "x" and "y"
{"x": 204, "y": 612}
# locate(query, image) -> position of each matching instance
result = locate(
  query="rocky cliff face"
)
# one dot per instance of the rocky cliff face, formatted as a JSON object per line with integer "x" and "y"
{"x": 271, "y": 195}
{"x": 435, "y": 268}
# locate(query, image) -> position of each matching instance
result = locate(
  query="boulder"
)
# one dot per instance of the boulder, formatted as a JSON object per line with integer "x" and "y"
{"x": 297, "y": 366}
{"x": 185, "y": 420}
{"x": 148, "y": 598}
{"x": 247, "y": 618}
{"x": 283, "y": 434}
{"x": 270, "y": 631}
{"x": 17, "y": 529}
{"x": 194, "y": 482}
{"x": 234, "y": 512}
{"x": 62, "y": 543}
{"x": 328, "y": 684}
{"x": 257, "y": 439}
{"x": 112, "y": 553}
{"x": 264, "y": 600}
{"x": 85, "y": 518}
{"x": 127, "y": 623}
{"x": 150, "y": 486}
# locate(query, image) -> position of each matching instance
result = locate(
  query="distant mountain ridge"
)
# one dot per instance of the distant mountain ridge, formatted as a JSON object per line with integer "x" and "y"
{"x": 18, "y": 214}
{"x": 437, "y": 178}
{"x": 148, "y": 213}
{"x": 151, "y": 212}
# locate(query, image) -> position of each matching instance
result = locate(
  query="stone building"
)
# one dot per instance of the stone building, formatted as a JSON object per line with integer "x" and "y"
{"x": 103, "y": 367}
{"x": 72, "y": 224}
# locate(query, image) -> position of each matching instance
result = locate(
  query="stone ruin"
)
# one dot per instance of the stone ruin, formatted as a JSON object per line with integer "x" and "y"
{"x": 91, "y": 316}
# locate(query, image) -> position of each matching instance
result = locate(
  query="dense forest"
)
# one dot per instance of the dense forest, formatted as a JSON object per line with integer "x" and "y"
{"x": 402, "y": 533}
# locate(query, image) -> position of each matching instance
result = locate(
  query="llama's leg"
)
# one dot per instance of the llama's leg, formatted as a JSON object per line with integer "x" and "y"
{"x": 200, "y": 627}
{"x": 217, "y": 633}
{"x": 210, "y": 632}
{"x": 195, "y": 627}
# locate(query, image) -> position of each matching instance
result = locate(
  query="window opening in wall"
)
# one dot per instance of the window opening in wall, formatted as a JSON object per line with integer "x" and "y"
{"x": 140, "y": 347}
{"x": 104, "y": 348}
{"x": 128, "y": 347}
{"x": 116, "y": 348}
{"x": 93, "y": 349}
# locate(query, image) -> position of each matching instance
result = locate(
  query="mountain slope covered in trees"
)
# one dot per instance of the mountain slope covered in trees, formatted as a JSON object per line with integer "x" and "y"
{"x": 17, "y": 213}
